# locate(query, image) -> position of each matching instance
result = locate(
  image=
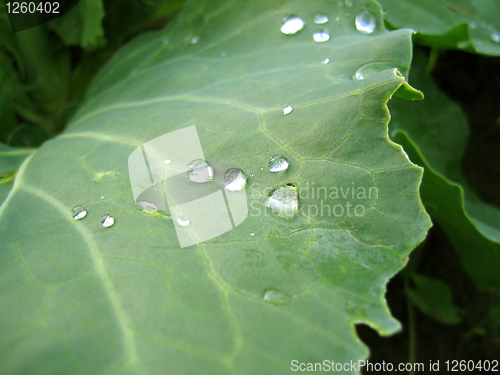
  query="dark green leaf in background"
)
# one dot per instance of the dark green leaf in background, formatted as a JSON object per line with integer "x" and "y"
{"x": 434, "y": 133}
{"x": 469, "y": 25}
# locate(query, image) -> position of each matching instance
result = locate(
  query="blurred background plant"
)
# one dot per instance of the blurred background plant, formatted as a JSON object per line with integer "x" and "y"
{"x": 448, "y": 297}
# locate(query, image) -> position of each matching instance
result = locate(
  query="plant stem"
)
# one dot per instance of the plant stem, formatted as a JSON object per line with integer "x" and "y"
{"x": 412, "y": 355}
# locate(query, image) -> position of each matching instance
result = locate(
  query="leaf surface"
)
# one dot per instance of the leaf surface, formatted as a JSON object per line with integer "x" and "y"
{"x": 127, "y": 299}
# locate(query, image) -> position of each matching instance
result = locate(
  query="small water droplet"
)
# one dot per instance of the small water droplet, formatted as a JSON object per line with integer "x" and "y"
{"x": 234, "y": 179}
{"x": 365, "y": 23}
{"x": 320, "y": 19}
{"x": 325, "y": 61}
{"x": 167, "y": 161}
{"x": 359, "y": 75}
{"x": 463, "y": 44}
{"x": 278, "y": 163}
{"x": 102, "y": 197}
{"x": 262, "y": 169}
{"x": 199, "y": 171}
{"x": 223, "y": 54}
{"x": 107, "y": 221}
{"x": 337, "y": 18}
{"x": 348, "y": 3}
{"x": 473, "y": 25}
{"x": 321, "y": 36}
{"x": 80, "y": 212}
{"x": 287, "y": 110}
{"x": 252, "y": 234}
{"x": 292, "y": 25}
{"x": 251, "y": 175}
{"x": 147, "y": 206}
{"x": 274, "y": 296}
{"x": 165, "y": 41}
{"x": 284, "y": 202}
{"x": 195, "y": 39}
{"x": 495, "y": 37}
{"x": 183, "y": 221}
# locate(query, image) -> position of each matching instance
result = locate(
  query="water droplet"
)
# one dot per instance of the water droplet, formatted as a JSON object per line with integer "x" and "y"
{"x": 262, "y": 169}
{"x": 251, "y": 175}
{"x": 165, "y": 41}
{"x": 495, "y": 37}
{"x": 146, "y": 206}
{"x": 348, "y": 3}
{"x": 167, "y": 161}
{"x": 80, "y": 212}
{"x": 337, "y": 18}
{"x": 473, "y": 25}
{"x": 252, "y": 234}
{"x": 195, "y": 39}
{"x": 320, "y": 19}
{"x": 107, "y": 221}
{"x": 365, "y": 23}
{"x": 284, "y": 202}
{"x": 275, "y": 296}
{"x": 292, "y": 25}
{"x": 287, "y": 110}
{"x": 321, "y": 36}
{"x": 278, "y": 163}
{"x": 234, "y": 179}
{"x": 370, "y": 69}
{"x": 183, "y": 221}
{"x": 102, "y": 197}
{"x": 199, "y": 171}
{"x": 325, "y": 61}
{"x": 223, "y": 54}
{"x": 359, "y": 75}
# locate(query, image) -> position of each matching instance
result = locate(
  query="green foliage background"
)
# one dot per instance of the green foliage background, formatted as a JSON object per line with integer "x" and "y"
{"x": 78, "y": 94}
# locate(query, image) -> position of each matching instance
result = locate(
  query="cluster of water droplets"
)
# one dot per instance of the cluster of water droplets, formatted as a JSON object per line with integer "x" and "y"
{"x": 79, "y": 212}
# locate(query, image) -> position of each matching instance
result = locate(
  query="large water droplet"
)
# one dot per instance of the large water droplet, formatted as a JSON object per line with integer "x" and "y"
{"x": 284, "y": 202}
{"x": 287, "y": 110}
{"x": 370, "y": 69}
{"x": 79, "y": 212}
{"x": 199, "y": 171}
{"x": 495, "y": 37}
{"x": 321, "y": 36}
{"x": 278, "y": 163}
{"x": 234, "y": 179}
{"x": 146, "y": 206}
{"x": 365, "y": 23}
{"x": 320, "y": 19}
{"x": 274, "y": 296}
{"x": 183, "y": 221}
{"x": 107, "y": 221}
{"x": 292, "y": 25}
